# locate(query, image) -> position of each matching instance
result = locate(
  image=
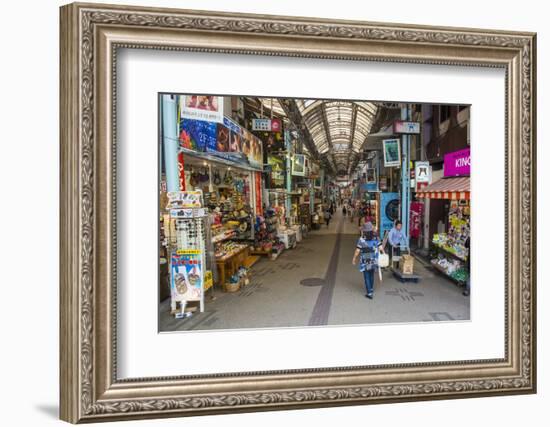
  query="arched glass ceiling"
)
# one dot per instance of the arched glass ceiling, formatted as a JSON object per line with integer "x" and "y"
{"x": 338, "y": 128}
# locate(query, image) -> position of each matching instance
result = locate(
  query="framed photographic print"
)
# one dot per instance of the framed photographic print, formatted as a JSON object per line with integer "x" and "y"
{"x": 392, "y": 152}
{"x": 205, "y": 271}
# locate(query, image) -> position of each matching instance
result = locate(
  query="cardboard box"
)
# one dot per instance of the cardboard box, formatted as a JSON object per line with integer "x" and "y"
{"x": 406, "y": 264}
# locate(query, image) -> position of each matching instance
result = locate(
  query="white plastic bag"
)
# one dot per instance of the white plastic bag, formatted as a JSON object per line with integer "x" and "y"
{"x": 383, "y": 260}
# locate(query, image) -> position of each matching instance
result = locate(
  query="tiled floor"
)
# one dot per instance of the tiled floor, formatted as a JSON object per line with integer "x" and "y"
{"x": 316, "y": 284}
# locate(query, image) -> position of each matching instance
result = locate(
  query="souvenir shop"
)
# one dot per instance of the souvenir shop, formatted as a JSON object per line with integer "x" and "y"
{"x": 450, "y": 195}
{"x": 227, "y": 210}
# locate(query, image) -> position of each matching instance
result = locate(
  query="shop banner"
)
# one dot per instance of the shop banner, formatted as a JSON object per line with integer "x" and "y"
{"x": 201, "y": 107}
{"x": 392, "y": 152}
{"x": 457, "y": 163}
{"x": 299, "y": 165}
{"x": 389, "y": 211}
{"x": 314, "y": 170}
{"x": 197, "y": 135}
{"x": 277, "y": 175}
{"x": 186, "y": 275}
{"x": 416, "y": 219}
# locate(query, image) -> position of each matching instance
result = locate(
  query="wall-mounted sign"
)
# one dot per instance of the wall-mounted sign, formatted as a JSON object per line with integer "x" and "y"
{"x": 457, "y": 163}
{"x": 422, "y": 172}
{"x": 400, "y": 126}
{"x": 201, "y": 107}
{"x": 392, "y": 152}
{"x": 267, "y": 125}
{"x": 197, "y": 135}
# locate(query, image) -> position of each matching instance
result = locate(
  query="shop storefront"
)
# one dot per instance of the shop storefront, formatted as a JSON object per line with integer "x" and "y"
{"x": 239, "y": 195}
{"x": 450, "y": 244}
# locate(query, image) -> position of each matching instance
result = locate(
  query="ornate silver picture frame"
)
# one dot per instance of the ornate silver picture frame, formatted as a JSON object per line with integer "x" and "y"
{"x": 90, "y": 37}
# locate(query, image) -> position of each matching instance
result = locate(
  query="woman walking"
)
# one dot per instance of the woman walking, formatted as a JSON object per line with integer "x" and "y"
{"x": 368, "y": 249}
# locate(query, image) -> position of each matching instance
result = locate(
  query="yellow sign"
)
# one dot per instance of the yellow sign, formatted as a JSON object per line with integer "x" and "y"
{"x": 188, "y": 252}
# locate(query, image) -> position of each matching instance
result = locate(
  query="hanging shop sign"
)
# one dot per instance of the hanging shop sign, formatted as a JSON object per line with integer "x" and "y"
{"x": 422, "y": 172}
{"x": 392, "y": 152}
{"x": 201, "y": 107}
{"x": 277, "y": 175}
{"x": 457, "y": 163}
{"x": 389, "y": 211}
{"x": 416, "y": 219}
{"x": 299, "y": 165}
{"x": 400, "y": 126}
{"x": 197, "y": 135}
{"x": 267, "y": 125}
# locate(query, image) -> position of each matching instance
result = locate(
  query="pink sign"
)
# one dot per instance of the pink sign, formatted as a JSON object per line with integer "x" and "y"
{"x": 457, "y": 163}
{"x": 416, "y": 218}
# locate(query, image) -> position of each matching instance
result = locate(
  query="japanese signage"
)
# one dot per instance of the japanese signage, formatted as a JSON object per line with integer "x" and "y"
{"x": 201, "y": 107}
{"x": 186, "y": 275}
{"x": 392, "y": 152}
{"x": 400, "y": 126}
{"x": 416, "y": 219}
{"x": 422, "y": 172}
{"x": 457, "y": 163}
{"x": 267, "y": 125}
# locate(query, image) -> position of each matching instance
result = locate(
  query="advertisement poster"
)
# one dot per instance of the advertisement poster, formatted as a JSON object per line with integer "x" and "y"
{"x": 222, "y": 138}
{"x": 186, "y": 278}
{"x": 197, "y": 135}
{"x": 201, "y": 107}
{"x": 299, "y": 165}
{"x": 416, "y": 219}
{"x": 272, "y": 141}
{"x": 457, "y": 163}
{"x": 235, "y": 142}
{"x": 389, "y": 211}
{"x": 252, "y": 148}
{"x": 392, "y": 152}
{"x": 277, "y": 175}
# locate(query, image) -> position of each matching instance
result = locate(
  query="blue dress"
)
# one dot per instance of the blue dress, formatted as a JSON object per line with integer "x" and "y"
{"x": 369, "y": 253}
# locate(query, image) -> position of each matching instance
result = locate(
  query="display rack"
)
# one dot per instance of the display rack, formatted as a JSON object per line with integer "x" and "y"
{"x": 186, "y": 246}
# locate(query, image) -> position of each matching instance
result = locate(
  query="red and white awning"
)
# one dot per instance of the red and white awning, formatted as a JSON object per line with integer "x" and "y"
{"x": 456, "y": 188}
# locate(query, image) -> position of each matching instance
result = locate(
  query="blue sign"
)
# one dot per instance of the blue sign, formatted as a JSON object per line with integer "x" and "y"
{"x": 389, "y": 211}
{"x": 198, "y": 135}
